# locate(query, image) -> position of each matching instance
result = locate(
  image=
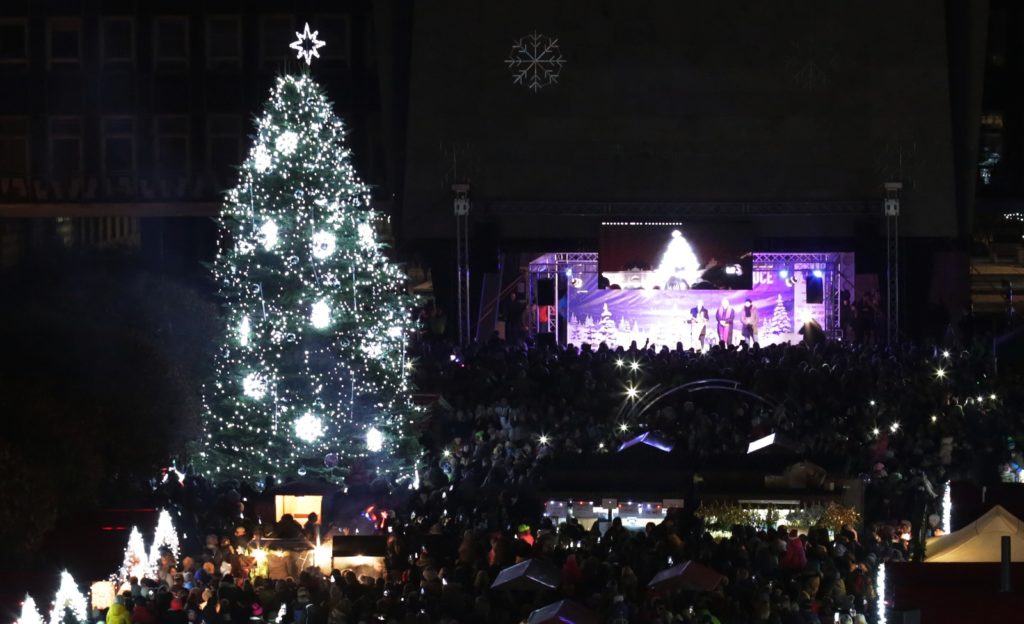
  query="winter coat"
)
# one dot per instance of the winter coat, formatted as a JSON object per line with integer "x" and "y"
{"x": 118, "y": 614}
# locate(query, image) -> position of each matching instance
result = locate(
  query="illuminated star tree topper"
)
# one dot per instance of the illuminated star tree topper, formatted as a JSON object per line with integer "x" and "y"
{"x": 307, "y": 45}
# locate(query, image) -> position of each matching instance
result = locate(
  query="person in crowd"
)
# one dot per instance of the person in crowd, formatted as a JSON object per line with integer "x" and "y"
{"x": 856, "y": 408}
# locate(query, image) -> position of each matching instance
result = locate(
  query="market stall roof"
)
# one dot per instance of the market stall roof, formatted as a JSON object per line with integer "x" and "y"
{"x": 532, "y": 574}
{"x": 561, "y": 612}
{"x": 688, "y": 575}
{"x": 979, "y": 541}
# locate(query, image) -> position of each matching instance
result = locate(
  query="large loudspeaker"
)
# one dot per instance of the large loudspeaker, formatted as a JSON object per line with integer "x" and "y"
{"x": 545, "y": 292}
{"x": 815, "y": 290}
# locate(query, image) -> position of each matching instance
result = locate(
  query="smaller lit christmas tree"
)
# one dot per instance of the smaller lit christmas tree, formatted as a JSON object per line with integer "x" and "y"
{"x": 780, "y": 323}
{"x": 165, "y": 536}
{"x": 69, "y": 605}
{"x": 29, "y": 612}
{"x": 136, "y": 563}
{"x": 606, "y": 330}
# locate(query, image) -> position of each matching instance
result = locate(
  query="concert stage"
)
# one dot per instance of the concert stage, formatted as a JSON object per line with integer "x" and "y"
{"x": 786, "y": 291}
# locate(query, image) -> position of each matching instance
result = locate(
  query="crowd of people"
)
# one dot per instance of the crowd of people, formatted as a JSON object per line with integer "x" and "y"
{"x": 905, "y": 421}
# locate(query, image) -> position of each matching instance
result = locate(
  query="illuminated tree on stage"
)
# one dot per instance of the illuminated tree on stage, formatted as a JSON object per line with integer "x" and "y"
{"x": 310, "y": 376}
{"x": 780, "y": 322}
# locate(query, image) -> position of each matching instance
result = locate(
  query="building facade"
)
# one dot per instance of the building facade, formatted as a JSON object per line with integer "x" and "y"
{"x": 123, "y": 122}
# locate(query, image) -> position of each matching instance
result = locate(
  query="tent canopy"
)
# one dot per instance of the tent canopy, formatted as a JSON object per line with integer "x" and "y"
{"x": 979, "y": 541}
{"x": 688, "y": 575}
{"x": 561, "y": 612}
{"x": 532, "y": 574}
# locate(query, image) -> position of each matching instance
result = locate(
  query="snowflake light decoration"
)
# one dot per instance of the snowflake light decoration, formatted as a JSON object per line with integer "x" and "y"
{"x": 254, "y": 386}
{"x": 307, "y": 46}
{"x": 286, "y": 142}
{"x": 324, "y": 244}
{"x": 535, "y": 61}
{"x": 268, "y": 234}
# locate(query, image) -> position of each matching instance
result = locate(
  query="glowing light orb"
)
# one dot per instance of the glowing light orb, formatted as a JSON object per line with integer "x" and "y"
{"x": 374, "y": 440}
{"x": 320, "y": 315}
{"x": 261, "y": 159}
{"x": 268, "y": 235}
{"x": 309, "y": 428}
{"x": 366, "y": 237}
{"x": 244, "y": 330}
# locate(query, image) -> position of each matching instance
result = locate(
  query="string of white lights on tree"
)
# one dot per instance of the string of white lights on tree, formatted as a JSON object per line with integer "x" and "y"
{"x": 136, "y": 562}
{"x": 164, "y": 537}
{"x": 69, "y": 598}
{"x": 310, "y": 375}
{"x": 30, "y": 613}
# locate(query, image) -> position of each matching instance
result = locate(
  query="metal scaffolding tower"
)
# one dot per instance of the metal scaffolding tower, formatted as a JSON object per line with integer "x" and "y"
{"x": 461, "y": 206}
{"x": 892, "y": 262}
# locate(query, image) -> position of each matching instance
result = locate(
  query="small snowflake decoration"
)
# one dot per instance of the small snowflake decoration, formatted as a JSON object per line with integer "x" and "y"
{"x": 307, "y": 46}
{"x": 254, "y": 386}
{"x": 286, "y": 142}
{"x": 535, "y": 61}
{"x": 324, "y": 244}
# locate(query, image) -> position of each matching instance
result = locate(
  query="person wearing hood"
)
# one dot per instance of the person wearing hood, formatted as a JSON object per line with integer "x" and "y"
{"x": 118, "y": 613}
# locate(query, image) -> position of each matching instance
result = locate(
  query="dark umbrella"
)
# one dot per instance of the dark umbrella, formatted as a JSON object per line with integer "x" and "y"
{"x": 532, "y": 574}
{"x": 561, "y": 612}
{"x": 687, "y": 575}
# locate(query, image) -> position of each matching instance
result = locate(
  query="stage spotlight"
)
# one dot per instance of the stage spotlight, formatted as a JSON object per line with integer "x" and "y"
{"x": 784, "y": 273}
{"x": 818, "y": 273}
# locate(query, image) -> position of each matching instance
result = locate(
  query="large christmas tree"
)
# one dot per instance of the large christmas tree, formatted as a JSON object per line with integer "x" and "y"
{"x": 311, "y": 373}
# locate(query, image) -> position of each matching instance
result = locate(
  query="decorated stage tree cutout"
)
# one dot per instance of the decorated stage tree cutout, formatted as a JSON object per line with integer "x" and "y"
{"x": 310, "y": 376}
{"x": 780, "y": 322}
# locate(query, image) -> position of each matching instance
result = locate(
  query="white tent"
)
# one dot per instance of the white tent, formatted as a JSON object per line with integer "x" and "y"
{"x": 979, "y": 541}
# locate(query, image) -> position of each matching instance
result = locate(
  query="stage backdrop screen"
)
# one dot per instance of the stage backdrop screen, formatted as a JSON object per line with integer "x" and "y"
{"x": 675, "y": 256}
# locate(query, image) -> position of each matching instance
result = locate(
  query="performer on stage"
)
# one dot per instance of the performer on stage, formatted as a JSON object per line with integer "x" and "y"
{"x": 701, "y": 317}
{"x": 725, "y": 316}
{"x": 748, "y": 318}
